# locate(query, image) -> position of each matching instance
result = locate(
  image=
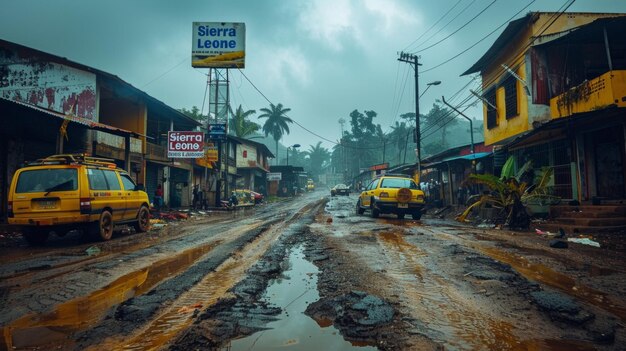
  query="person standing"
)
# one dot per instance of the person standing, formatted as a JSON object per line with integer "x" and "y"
{"x": 194, "y": 197}
{"x": 158, "y": 197}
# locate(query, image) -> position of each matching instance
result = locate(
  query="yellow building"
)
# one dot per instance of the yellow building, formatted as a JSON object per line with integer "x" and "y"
{"x": 554, "y": 91}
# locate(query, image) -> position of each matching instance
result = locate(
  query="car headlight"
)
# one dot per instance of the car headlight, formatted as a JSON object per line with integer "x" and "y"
{"x": 420, "y": 197}
{"x": 383, "y": 194}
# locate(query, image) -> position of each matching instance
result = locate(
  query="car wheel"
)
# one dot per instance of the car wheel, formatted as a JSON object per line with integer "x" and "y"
{"x": 35, "y": 237}
{"x": 400, "y": 215}
{"x": 417, "y": 215}
{"x": 359, "y": 209}
{"x": 103, "y": 228}
{"x": 375, "y": 211}
{"x": 143, "y": 220}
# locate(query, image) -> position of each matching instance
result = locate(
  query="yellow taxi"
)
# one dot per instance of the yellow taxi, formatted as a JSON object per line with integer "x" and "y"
{"x": 397, "y": 194}
{"x": 310, "y": 185}
{"x": 61, "y": 193}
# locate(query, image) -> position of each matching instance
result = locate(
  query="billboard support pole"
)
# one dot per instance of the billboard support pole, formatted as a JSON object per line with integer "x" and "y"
{"x": 218, "y": 175}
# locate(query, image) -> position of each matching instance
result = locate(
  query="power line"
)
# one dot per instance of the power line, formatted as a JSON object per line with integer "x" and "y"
{"x": 445, "y": 25}
{"x": 479, "y": 41}
{"x": 564, "y": 8}
{"x": 164, "y": 73}
{"x": 433, "y": 26}
{"x": 456, "y": 31}
{"x": 303, "y": 127}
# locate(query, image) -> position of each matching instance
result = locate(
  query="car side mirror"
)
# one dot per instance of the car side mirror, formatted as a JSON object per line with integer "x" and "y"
{"x": 140, "y": 187}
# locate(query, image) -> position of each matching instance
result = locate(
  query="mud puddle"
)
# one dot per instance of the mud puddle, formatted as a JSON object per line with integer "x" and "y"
{"x": 293, "y": 293}
{"x": 81, "y": 313}
{"x": 446, "y": 315}
{"x": 541, "y": 273}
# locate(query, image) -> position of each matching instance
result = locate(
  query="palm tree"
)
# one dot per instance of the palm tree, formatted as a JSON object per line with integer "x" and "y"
{"x": 240, "y": 125}
{"x": 276, "y": 124}
{"x": 318, "y": 156}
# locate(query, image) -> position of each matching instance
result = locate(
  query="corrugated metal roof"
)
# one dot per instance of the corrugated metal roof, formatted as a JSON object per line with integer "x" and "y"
{"x": 150, "y": 100}
{"x": 80, "y": 120}
{"x": 511, "y": 30}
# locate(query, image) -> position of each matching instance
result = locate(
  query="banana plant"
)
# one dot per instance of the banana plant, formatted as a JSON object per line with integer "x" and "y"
{"x": 509, "y": 194}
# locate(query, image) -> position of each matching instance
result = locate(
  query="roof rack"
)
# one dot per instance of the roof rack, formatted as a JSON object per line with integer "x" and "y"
{"x": 66, "y": 159}
{"x": 394, "y": 175}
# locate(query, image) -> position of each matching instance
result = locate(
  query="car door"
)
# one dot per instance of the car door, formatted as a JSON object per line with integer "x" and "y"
{"x": 105, "y": 192}
{"x": 133, "y": 198}
{"x": 366, "y": 195}
{"x": 117, "y": 198}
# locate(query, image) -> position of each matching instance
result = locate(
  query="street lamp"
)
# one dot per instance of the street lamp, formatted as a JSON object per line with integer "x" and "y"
{"x": 437, "y": 82}
{"x": 292, "y": 147}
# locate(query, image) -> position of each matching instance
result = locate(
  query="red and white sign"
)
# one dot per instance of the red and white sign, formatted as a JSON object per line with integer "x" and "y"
{"x": 185, "y": 144}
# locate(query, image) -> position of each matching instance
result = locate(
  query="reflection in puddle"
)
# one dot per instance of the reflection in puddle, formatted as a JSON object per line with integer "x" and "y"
{"x": 215, "y": 285}
{"x": 294, "y": 329}
{"x": 402, "y": 222}
{"x": 80, "y": 313}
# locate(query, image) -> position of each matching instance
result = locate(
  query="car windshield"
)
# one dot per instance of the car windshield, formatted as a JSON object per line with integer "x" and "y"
{"x": 398, "y": 183}
{"x": 47, "y": 180}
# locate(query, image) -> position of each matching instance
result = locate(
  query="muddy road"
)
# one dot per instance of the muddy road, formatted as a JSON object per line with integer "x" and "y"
{"x": 310, "y": 274}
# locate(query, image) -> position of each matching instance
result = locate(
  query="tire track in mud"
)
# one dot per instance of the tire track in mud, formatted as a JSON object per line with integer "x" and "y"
{"x": 442, "y": 311}
{"x": 242, "y": 311}
{"x": 587, "y": 327}
{"x": 154, "y": 326}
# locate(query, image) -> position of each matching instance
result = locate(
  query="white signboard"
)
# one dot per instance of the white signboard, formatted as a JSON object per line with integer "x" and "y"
{"x": 246, "y": 156}
{"x": 218, "y": 45}
{"x": 274, "y": 176}
{"x": 185, "y": 144}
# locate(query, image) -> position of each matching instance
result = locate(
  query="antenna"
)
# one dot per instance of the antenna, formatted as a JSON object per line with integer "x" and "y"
{"x": 511, "y": 72}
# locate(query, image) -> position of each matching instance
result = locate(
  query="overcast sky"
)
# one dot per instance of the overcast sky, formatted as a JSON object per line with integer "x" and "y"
{"x": 321, "y": 58}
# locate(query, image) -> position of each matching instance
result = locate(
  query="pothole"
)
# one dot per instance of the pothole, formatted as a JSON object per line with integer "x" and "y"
{"x": 292, "y": 293}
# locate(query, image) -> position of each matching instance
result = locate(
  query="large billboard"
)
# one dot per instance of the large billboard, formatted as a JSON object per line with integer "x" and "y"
{"x": 185, "y": 144}
{"x": 218, "y": 45}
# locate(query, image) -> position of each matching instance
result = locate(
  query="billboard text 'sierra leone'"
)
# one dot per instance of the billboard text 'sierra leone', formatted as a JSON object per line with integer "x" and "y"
{"x": 218, "y": 45}
{"x": 185, "y": 144}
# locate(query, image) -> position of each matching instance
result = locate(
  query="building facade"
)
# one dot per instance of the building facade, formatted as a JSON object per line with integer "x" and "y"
{"x": 554, "y": 92}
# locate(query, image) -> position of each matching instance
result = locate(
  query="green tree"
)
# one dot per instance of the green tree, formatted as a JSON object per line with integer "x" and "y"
{"x": 277, "y": 123}
{"x": 240, "y": 125}
{"x": 437, "y": 122}
{"x": 194, "y": 113}
{"x": 317, "y": 157}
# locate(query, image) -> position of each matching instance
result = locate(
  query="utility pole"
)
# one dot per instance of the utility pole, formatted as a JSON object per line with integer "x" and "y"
{"x": 342, "y": 121}
{"x": 413, "y": 60}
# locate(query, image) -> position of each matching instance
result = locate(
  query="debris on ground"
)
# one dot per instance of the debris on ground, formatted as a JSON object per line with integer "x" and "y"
{"x": 584, "y": 241}
{"x": 92, "y": 250}
{"x": 558, "y": 244}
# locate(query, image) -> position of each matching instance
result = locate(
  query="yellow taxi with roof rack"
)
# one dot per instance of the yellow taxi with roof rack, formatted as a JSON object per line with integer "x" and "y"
{"x": 392, "y": 193}
{"x": 61, "y": 193}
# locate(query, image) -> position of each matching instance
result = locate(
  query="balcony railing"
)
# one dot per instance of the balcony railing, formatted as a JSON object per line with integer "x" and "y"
{"x": 156, "y": 152}
{"x": 599, "y": 93}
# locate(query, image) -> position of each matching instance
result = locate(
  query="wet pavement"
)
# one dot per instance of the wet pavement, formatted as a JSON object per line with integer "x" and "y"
{"x": 311, "y": 274}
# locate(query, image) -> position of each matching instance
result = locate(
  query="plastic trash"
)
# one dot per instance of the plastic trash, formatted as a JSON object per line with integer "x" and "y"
{"x": 93, "y": 250}
{"x": 584, "y": 241}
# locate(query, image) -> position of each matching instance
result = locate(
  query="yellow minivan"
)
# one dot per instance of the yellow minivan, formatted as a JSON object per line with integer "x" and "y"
{"x": 61, "y": 193}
